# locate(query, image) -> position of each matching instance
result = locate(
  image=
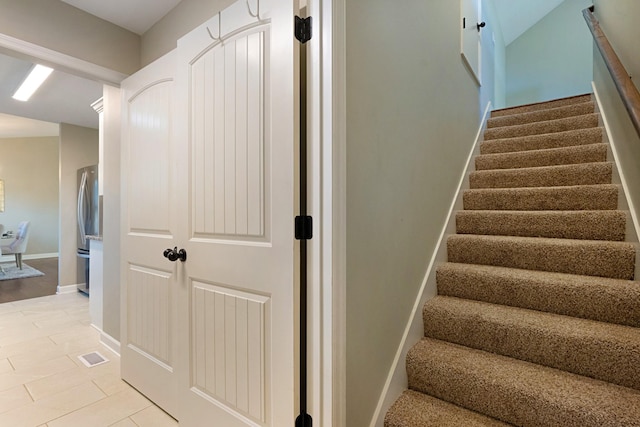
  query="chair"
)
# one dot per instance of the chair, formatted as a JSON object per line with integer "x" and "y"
{"x": 19, "y": 244}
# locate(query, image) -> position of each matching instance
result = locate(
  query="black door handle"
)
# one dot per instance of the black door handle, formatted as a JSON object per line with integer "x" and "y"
{"x": 481, "y": 25}
{"x": 174, "y": 254}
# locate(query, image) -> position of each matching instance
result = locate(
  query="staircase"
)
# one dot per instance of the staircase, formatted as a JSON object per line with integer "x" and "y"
{"x": 537, "y": 318}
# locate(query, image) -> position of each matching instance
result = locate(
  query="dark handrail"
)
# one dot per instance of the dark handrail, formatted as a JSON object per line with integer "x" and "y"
{"x": 626, "y": 88}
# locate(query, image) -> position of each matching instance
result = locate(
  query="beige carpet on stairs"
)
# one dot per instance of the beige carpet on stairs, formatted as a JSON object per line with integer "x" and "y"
{"x": 537, "y": 318}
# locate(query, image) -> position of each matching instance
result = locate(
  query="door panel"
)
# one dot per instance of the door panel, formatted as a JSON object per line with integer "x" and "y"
{"x": 149, "y": 280}
{"x": 228, "y": 138}
{"x": 228, "y": 347}
{"x": 237, "y": 102}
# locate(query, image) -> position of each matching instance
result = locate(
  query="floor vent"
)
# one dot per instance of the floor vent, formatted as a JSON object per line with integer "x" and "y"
{"x": 93, "y": 359}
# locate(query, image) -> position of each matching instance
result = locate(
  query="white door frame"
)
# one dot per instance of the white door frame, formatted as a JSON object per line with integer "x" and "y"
{"x": 327, "y": 250}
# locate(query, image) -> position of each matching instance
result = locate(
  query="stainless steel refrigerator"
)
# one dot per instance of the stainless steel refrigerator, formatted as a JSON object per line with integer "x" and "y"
{"x": 88, "y": 221}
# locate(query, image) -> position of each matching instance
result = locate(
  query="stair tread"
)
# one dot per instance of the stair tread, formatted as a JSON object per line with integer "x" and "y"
{"x": 560, "y": 293}
{"x": 541, "y": 105}
{"x": 544, "y": 176}
{"x": 542, "y": 128}
{"x": 586, "y": 257}
{"x": 581, "y": 224}
{"x": 414, "y": 409}
{"x": 563, "y": 111}
{"x": 544, "y": 157}
{"x": 579, "y": 197}
{"x": 567, "y": 138}
{"x": 518, "y": 392}
{"x": 599, "y": 350}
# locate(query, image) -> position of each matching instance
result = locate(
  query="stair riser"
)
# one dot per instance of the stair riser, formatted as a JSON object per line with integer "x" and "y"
{"x": 538, "y": 116}
{"x": 590, "y": 225}
{"x": 552, "y": 293}
{"x": 517, "y": 392}
{"x": 579, "y": 346}
{"x": 541, "y": 142}
{"x": 542, "y": 105}
{"x": 554, "y": 157}
{"x": 552, "y": 176}
{"x": 559, "y": 198}
{"x": 562, "y": 125}
{"x": 594, "y": 259}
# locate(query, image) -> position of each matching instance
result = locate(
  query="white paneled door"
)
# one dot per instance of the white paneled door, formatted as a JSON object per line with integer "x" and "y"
{"x": 218, "y": 328}
{"x": 150, "y": 224}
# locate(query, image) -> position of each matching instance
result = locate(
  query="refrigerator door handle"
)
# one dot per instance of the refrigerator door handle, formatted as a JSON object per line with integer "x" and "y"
{"x": 81, "y": 211}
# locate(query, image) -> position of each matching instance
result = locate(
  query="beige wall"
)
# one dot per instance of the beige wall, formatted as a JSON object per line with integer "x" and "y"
{"x": 619, "y": 21}
{"x": 56, "y": 25}
{"x": 29, "y": 168}
{"x": 412, "y": 116}
{"x": 188, "y": 14}
{"x": 78, "y": 148}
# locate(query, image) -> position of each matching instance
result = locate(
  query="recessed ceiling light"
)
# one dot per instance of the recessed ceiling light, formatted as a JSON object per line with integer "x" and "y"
{"x": 36, "y": 77}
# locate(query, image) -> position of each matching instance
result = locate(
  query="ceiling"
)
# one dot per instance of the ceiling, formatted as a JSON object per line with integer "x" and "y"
{"x": 66, "y": 98}
{"x": 517, "y": 16}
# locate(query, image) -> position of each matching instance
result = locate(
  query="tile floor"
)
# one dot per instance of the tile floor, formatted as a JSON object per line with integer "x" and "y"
{"x": 44, "y": 384}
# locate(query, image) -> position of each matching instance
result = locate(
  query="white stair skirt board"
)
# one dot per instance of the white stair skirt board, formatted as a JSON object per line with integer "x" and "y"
{"x": 92, "y": 359}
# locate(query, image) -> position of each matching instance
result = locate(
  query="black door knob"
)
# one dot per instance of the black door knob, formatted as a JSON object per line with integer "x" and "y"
{"x": 481, "y": 25}
{"x": 174, "y": 254}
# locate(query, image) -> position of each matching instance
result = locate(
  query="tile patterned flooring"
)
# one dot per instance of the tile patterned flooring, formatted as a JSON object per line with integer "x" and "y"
{"x": 44, "y": 384}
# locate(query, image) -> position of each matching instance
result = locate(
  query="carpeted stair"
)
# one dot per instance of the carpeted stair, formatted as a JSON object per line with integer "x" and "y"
{"x": 537, "y": 318}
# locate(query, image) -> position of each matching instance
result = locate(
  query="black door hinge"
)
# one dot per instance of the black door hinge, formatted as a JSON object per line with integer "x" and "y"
{"x": 303, "y": 29}
{"x": 304, "y": 228}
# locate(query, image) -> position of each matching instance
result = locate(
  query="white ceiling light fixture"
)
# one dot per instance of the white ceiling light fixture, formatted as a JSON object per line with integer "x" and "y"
{"x": 34, "y": 80}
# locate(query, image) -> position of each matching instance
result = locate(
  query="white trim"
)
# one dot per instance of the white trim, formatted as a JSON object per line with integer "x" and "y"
{"x": 623, "y": 182}
{"x": 319, "y": 179}
{"x": 60, "y": 61}
{"x": 67, "y": 289}
{"x": 397, "y": 378}
{"x": 109, "y": 342}
{"x": 11, "y": 257}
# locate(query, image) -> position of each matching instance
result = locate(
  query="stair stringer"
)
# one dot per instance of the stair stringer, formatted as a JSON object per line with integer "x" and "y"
{"x": 624, "y": 203}
{"x": 397, "y": 379}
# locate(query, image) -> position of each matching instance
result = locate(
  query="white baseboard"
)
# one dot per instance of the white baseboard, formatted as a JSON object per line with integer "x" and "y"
{"x": 397, "y": 380}
{"x": 108, "y": 341}
{"x": 67, "y": 289}
{"x": 9, "y": 258}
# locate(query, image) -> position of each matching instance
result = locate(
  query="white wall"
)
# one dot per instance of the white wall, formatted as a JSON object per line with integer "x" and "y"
{"x": 66, "y": 29}
{"x": 29, "y": 168}
{"x": 494, "y": 78}
{"x": 412, "y": 115}
{"x": 78, "y": 148}
{"x": 619, "y": 20}
{"x": 552, "y": 59}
